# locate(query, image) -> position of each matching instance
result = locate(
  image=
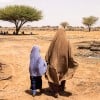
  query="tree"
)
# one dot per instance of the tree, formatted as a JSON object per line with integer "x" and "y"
{"x": 89, "y": 21}
{"x": 19, "y": 15}
{"x": 64, "y": 24}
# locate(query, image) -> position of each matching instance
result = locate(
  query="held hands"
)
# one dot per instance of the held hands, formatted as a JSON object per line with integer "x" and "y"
{"x": 46, "y": 76}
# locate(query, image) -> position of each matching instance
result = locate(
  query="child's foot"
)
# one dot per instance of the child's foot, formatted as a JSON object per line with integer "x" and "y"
{"x": 41, "y": 90}
{"x": 33, "y": 93}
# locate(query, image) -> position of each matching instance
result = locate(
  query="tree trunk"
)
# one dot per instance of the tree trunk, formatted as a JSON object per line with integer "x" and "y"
{"x": 17, "y": 30}
{"x": 64, "y": 27}
{"x": 18, "y": 25}
{"x": 89, "y": 28}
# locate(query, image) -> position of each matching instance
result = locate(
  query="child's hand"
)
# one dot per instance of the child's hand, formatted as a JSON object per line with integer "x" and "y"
{"x": 46, "y": 76}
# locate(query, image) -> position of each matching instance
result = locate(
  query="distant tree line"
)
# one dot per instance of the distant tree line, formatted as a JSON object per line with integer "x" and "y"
{"x": 21, "y": 14}
{"x": 27, "y": 30}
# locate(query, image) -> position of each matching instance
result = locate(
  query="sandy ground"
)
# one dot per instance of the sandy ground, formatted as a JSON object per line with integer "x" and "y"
{"x": 15, "y": 51}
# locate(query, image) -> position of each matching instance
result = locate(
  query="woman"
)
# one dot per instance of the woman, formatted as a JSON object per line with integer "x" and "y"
{"x": 59, "y": 60}
{"x": 37, "y": 68}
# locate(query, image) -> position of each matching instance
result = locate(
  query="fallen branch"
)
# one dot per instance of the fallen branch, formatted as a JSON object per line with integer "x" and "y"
{"x": 5, "y": 78}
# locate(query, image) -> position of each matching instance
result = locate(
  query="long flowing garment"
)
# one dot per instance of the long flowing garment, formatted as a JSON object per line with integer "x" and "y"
{"x": 59, "y": 59}
{"x": 37, "y": 68}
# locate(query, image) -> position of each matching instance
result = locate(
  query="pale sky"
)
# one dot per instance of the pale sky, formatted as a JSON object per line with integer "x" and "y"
{"x": 57, "y": 11}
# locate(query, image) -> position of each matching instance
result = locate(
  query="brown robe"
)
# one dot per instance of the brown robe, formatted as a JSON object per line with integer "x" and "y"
{"x": 59, "y": 58}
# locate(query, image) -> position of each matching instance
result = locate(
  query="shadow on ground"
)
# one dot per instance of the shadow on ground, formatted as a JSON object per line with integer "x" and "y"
{"x": 47, "y": 92}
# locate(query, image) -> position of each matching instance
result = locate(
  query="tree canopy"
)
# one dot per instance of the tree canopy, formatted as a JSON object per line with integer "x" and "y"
{"x": 19, "y": 15}
{"x": 89, "y": 21}
{"x": 64, "y": 24}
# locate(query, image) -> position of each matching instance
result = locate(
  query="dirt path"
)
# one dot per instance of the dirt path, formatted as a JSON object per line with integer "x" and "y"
{"x": 14, "y": 52}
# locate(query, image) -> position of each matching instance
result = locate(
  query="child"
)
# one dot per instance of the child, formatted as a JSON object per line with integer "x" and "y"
{"x": 37, "y": 68}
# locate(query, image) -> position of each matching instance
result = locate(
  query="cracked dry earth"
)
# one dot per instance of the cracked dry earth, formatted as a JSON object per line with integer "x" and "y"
{"x": 14, "y": 75}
